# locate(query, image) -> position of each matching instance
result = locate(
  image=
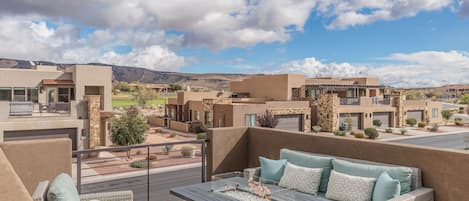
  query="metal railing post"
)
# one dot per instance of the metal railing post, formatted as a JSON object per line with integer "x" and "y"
{"x": 202, "y": 152}
{"x": 79, "y": 172}
{"x": 148, "y": 173}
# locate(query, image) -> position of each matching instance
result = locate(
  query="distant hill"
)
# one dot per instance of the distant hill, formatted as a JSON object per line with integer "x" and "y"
{"x": 217, "y": 81}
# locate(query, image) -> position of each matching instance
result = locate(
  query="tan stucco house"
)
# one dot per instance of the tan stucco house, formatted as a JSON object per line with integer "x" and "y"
{"x": 299, "y": 103}
{"x": 45, "y": 102}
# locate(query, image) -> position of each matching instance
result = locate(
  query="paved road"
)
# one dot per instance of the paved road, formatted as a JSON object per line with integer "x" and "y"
{"x": 159, "y": 184}
{"x": 455, "y": 141}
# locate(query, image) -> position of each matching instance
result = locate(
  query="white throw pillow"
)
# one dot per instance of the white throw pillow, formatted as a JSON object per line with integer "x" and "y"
{"x": 302, "y": 179}
{"x": 345, "y": 187}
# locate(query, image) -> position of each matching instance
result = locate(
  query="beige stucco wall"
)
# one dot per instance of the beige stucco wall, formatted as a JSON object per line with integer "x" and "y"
{"x": 179, "y": 126}
{"x": 38, "y": 160}
{"x": 11, "y": 186}
{"x": 89, "y": 75}
{"x": 156, "y": 121}
{"x": 275, "y": 87}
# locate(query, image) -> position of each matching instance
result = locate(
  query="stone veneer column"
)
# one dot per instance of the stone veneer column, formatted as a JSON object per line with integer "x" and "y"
{"x": 327, "y": 112}
{"x": 399, "y": 99}
{"x": 94, "y": 117}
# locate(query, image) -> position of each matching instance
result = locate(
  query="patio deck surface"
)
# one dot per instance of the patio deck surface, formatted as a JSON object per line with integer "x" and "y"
{"x": 160, "y": 184}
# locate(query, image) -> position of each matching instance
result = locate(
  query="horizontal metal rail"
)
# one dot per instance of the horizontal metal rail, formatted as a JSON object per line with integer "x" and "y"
{"x": 80, "y": 153}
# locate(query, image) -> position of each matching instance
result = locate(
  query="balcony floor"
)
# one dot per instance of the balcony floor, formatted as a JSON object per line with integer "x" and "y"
{"x": 160, "y": 184}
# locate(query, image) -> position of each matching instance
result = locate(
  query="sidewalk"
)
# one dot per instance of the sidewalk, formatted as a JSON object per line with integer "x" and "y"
{"x": 167, "y": 130}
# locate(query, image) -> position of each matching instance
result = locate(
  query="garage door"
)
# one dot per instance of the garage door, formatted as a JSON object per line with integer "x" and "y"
{"x": 289, "y": 122}
{"x": 356, "y": 120}
{"x": 417, "y": 114}
{"x": 384, "y": 117}
{"x": 42, "y": 134}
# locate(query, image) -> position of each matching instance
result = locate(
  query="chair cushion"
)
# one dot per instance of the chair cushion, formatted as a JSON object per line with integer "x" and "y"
{"x": 271, "y": 170}
{"x": 386, "y": 188}
{"x": 302, "y": 179}
{"x": 345, "y": 187}
{"x": 311, "y": 161}
{"x": 63, "y": 189}
{"x": 403, "y": 174}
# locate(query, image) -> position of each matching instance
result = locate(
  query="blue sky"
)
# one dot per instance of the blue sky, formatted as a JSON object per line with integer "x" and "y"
{"x": 437, "y": 31}
{"x": 405, "y": 42}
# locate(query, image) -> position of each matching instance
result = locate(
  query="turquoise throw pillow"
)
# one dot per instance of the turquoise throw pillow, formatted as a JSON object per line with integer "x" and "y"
{"x": 386, "y": 188}
{"x": 310, "y": 161}
{"x": 271, "y": 170}
{"x": 403, "y": 174}
{"x": 63, "y": 189}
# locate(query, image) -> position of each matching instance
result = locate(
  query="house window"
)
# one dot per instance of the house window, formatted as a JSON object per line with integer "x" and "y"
{"x": 250, "y": 120}
{"x": 5, "y": 94}
{"x": 208, "y": 118}
{"x": 72, "y": 93}
{"x": 32, "y": 95}
{"x": 196, "y": 115}
{"x": 435, "y": 113}
{"x": 172, "y": 113}
{"x": 19, "y": 94}
{"x": 63, "y": 95}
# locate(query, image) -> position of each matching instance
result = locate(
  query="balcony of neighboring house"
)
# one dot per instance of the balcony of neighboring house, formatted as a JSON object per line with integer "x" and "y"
{"x": 44, "y": 101}
{"x": 366, "y": 101}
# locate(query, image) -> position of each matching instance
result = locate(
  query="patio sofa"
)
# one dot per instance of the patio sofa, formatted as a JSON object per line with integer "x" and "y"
{"x": 40, "y": 194}
{"x": 417, "y": 191}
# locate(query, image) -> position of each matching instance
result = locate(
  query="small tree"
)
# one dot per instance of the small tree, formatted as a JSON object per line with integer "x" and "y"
{"x": 411, "y": 122}
{"x": 377, "y": 123}
{"x": 464, "y": 99}
{"x": 446, "y": 114}
{"x": 128, "y": 129}
{"x": 143, "y": 95}
{"x": 267, "y": 120}
{"x": 175, "y": 87}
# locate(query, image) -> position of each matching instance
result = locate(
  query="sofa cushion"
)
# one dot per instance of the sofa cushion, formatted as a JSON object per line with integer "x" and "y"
{"x": 345, "y": 187}
{"x": 310, "y": 161}
{"x": 403, "y": 174}
{"x": 302, "y": 179}
{"x": 63, "y": 189}
{"x": 271, "y": 170}
{"x": 386, "y": 188}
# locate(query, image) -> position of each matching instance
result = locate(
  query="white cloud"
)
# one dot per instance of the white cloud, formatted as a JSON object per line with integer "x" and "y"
{"x": 155, "y": 57}
{"x": 464, "y": 8}
{"x": 424, "y": 68}
{"x": 359, "y": 12}
{"x": 36, "y": 41}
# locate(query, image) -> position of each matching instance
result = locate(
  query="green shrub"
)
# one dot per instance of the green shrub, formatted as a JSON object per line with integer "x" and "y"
{"x": 188, "y": 151}
{"x": 140, "y": 164}
{"x": 457, "y": 119}
{"x": 372, "y": 133}
{"x": 403, "y": 131}
{"x": 158, "y": 130}
{"x": 171, "y": 135}
{"x": 167, "y": 148}
{"x": 352, "y": 132}
{"x": 359, "y": 135}
{"x": 388, "y": 130}
{"x": 201, "y": 136}
{"x": 339, "y": 133}
{"x": 459, "y": 123}
{"x": 152, "y": 157}
{"x": 377, "y": 122}
{"x": 316, "y": 129}
{"x": 422, "y": 124}
{"x": 411, "y": 122}
{"x": 434, "y": 128}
